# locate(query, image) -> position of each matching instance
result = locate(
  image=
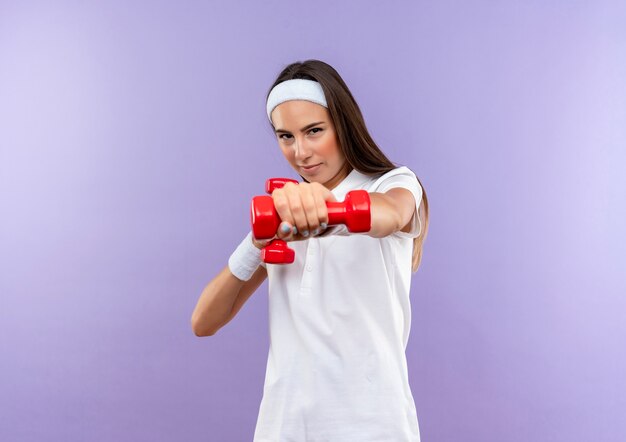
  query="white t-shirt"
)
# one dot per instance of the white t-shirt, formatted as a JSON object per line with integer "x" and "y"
{"x": 339, "y": 320}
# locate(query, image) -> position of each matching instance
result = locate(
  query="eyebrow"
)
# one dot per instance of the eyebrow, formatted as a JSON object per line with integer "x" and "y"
{"x": 301, "y": 130}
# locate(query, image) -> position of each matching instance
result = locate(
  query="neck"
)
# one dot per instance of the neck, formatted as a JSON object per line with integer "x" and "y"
{"x": 343, "y": 172}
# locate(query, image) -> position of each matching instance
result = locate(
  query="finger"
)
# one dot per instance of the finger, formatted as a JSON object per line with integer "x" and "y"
{"x": 293, "y": 193}
{"x": 322, "y": 211}
{"x": 307, "y": 194}
{"x": 281, "y": 204}
{"x": 285, "y": 231}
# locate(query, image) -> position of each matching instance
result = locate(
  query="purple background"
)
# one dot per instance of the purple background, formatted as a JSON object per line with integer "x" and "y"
{"x": 133, "y": 136}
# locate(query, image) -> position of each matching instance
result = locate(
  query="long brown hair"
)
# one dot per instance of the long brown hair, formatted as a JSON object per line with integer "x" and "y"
{"x": 356, "y": 144}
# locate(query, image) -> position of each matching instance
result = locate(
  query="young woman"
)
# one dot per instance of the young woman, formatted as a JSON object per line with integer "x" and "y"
{"x": 340, "y": 314}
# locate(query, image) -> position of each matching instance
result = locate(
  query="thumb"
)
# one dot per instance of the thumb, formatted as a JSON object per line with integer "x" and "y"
{"x": 285, "y": 230}
{"x": 259, "y": 244}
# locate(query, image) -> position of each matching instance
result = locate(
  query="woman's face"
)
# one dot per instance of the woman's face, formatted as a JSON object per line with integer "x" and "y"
{"x": 307, "y": 137}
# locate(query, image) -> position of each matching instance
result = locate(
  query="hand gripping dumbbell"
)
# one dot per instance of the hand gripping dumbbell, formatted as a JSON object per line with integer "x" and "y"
{"x": 354, "y": 212}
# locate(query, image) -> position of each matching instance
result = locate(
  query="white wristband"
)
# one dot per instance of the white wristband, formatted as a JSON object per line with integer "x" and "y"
{"x": 245, "y": 259}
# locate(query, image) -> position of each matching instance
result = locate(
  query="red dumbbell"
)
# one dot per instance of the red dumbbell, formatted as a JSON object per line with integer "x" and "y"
{"x": 354, "y": 212}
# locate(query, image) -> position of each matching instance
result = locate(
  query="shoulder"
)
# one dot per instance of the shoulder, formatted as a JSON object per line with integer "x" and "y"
{"x": 401, "y": 176}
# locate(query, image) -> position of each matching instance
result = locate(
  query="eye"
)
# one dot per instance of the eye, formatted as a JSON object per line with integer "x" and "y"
{"x": 289, "y": 135}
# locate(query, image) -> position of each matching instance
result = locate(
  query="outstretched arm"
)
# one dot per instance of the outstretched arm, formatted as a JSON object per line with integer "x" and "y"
{"x": 392, "y": 211}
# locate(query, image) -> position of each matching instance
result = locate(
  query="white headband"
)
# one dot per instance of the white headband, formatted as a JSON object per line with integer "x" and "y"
{"x": 296, "y": 89}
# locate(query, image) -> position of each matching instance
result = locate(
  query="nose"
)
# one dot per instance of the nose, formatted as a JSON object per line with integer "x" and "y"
{"x": 301, "y": 149}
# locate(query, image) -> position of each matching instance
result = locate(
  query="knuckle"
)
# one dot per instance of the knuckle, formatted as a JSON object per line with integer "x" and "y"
{"x": 281, "y": 204}
{"x": 311, "y": 209}
{"x": 297, "y": 210}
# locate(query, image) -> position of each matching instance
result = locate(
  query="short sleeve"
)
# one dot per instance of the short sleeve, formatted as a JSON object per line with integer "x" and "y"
{"x": 263, "y": 264}
{"x": 405, "y": 178}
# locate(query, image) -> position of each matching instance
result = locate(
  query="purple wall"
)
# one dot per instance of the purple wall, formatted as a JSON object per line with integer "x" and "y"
{"x": 118, "y": 127}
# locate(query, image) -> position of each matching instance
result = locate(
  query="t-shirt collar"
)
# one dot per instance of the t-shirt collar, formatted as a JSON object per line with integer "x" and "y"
{"x": 354, "y": 180}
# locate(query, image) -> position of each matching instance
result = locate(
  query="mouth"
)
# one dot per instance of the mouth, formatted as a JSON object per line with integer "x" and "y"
{"x": 311, "y": 168}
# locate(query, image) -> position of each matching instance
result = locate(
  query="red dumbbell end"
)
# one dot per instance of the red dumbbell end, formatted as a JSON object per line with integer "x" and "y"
{"x": 277, "y": 252}
{"x": 277, "y": 183}
{"x": 358, "y": 211}
{"x": 263, "y": 217}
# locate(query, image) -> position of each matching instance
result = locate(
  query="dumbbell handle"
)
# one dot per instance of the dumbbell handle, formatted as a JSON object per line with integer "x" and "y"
{"x": 354, "y": 211}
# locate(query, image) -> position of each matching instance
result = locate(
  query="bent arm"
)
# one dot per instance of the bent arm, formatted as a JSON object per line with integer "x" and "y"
{"x": 221, "y": 299}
